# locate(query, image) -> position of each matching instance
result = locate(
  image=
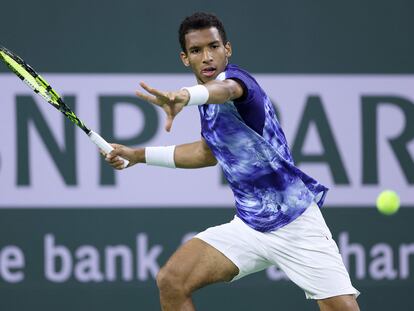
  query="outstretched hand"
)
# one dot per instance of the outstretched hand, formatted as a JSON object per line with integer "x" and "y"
{"x": 171, "y": 102}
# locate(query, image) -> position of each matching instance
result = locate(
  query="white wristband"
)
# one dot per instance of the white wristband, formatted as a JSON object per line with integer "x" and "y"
{"x": 160, "y": 156}
{"x": 198, "y": 95}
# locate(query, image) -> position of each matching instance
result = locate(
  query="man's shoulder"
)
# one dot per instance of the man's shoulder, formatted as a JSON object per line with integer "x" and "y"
{"x": 233, "y": 71}
{"x": 236, "y": 68}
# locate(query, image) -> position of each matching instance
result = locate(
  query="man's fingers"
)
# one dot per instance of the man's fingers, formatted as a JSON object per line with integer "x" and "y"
{"x": 113, "y": 152}
{"x": 166, "y": 100}
{"x": 119, "y": 165}
{"x": 116, "y": 156}
{"x": 151, "y": 90}
{"x": 148, "y": 98}
{"x": 171, "y": 97}
{"x": 115, "y": 146}
{"x": 168, "y": 123}
{"x": 110, "y": 154}
{"x": 117, "y": 151}
{"x": 111, "y": 158}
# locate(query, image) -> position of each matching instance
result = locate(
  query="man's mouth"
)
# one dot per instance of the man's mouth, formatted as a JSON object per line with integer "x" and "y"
{"x": 208, "y": 71}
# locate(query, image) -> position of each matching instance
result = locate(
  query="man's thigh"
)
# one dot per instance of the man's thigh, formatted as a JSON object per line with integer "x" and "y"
{"x": 196, "y": 264}
{"x": 240, "y": 244}
{"x": 339, "y": 303}
{"x": 306, "y": 252}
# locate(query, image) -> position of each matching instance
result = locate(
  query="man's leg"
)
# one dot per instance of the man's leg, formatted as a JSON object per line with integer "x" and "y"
{"x": 305, "y": 251}
{"x": 188, "y": 305}
{"x": 339, "y": 303}
{"x": 194, "y": 265}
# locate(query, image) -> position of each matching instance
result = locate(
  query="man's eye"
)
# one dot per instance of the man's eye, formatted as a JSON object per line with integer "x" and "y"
{"x": 215, "y": 46}
{"x": 195, "y": 51}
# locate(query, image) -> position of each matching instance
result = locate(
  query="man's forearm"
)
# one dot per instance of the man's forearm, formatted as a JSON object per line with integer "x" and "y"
{"x": 192, "y": 155}
{"x": 212, "y": 92}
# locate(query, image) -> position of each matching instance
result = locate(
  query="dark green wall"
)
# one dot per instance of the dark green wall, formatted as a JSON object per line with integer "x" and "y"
{"x": 141, "y": 36}
{"x": 76, "y": 227}
{"x": 268, "y": 36}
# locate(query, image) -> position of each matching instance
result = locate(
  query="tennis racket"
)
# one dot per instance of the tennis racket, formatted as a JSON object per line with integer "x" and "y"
{"x": 40, "y": 86}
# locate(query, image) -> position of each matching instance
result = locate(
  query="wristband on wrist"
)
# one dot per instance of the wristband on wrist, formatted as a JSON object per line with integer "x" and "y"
{"x": 160, "y": 156}
{"x": 198, "y": 95}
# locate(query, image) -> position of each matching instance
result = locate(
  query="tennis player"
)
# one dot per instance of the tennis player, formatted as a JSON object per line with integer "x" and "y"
{"x": 278, "y": 221}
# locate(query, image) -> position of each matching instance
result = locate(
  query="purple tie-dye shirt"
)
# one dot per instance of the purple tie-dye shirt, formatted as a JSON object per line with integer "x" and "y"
{"x": 249, "y": 144}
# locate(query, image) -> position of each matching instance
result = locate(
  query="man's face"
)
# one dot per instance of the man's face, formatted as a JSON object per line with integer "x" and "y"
{"x": 206, "y": 53}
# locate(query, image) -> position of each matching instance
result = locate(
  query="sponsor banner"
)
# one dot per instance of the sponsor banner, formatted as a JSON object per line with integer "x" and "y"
{"x": 354, "y": 133}
{"x": 117, "y": 258}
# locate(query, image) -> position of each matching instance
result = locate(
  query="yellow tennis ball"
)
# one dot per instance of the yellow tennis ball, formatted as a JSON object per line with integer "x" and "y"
{"x": 388, "y": 202}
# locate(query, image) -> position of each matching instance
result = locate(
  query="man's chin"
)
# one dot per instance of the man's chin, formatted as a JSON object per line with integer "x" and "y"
{"x": 204, "y": 79}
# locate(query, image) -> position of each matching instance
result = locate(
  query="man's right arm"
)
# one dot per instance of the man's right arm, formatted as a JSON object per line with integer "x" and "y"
{"x": 192, "y": 155}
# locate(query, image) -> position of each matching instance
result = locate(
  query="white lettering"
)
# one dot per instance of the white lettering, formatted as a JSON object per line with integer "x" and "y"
{"x": 382, "y": 265}
{"x": 53, "y": 253}
{"x": 355, "y": 249}
{"x": 405, "y": 251}
{"x": 11, "y": 257}
{"x": 87, "y": 268}
{"x": 123, "y": 252}
{"x": 147, "y": 258}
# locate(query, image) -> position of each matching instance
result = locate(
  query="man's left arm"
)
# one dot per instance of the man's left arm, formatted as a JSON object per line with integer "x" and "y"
{"x": 223, "y": 91}
{"x": 212, "y": 92}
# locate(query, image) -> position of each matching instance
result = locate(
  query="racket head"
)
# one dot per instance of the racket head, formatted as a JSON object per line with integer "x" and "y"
{"x": 38, "y": 84}
{"x": 28, "y": 75}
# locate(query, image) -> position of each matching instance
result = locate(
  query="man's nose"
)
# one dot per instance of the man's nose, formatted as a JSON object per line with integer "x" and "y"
{"x": 207, "y": 57}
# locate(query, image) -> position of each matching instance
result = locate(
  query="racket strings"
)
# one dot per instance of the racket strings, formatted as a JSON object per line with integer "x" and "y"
{"x": 39, "y": 85}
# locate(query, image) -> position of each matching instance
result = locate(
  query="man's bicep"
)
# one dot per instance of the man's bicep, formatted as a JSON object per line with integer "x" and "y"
{"x": 237, "y": 87}
{"x": 204, "y": 145}
{"x": 208, "y": 154}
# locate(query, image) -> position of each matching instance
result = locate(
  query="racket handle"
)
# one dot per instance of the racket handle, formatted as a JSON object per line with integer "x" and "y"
{"x": 103, "y": 144}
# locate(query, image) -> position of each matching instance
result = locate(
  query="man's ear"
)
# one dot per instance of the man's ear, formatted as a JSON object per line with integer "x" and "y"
{"x": 228, "y": 49}
{"x": 184, "y": 59}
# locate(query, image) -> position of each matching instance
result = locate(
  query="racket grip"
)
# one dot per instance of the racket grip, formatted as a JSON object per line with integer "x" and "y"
{"x": 103, "y": 144}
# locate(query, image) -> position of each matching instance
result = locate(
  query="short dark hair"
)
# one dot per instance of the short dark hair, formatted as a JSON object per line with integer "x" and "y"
{"x": 197, "y": 21}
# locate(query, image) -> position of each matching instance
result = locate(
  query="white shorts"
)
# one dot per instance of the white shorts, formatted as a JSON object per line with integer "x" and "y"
{"x": 303, "y": 249}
